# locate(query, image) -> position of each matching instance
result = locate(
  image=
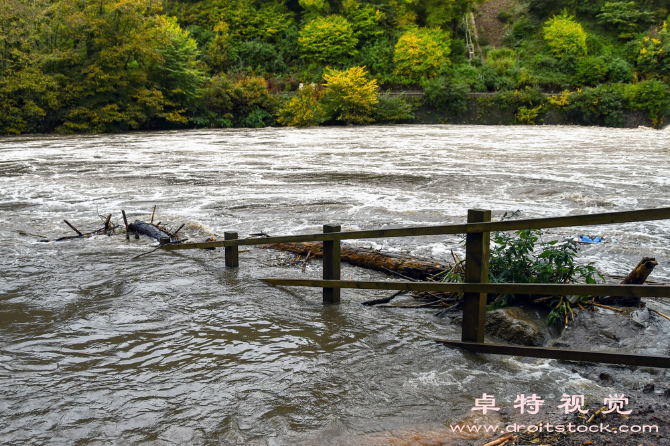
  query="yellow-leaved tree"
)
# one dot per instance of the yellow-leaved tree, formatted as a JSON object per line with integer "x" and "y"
{"x": 305, "y": 110}
{"x": 328, "y": 40}
{"x": 565, "y": 36}
{"x": 419, "y": 54}
{"x": 350, "y": 96}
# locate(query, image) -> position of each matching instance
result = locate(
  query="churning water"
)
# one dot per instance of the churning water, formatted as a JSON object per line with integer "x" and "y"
{"x": 172, "y": 348}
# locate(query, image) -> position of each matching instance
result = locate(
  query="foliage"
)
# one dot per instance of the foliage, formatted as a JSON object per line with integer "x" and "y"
{"x": 652, "y": 96}
{"x": 618, "y": 70}
{"x": 601, "y": 105}
{"x": 501, "y": 59}
{"x": 350, "y": 96}
{"x": 590, "y": 71}
{"x": 420, "y": 53}
{"x": 328, "y": 40}
{"x": 624, "y": 16}
{"x": 565, "y": 36}
{"x": 444, "y": 94}
{"x": 244, "y": 103}
{"x": 518, "y": 259}
{"x": 377, "y": 57}
{"x": 364, "y": 19}
{"x": 305, "y": 110}
{"x": 527, "y": 116}
{"x": 393, "y": 109}
{"x": 115, "y": 65}
{"x": 652, "y": 57}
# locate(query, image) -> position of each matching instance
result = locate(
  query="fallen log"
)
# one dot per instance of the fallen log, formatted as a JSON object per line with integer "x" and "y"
{"x": 636, "y": 277}
{"x": 413, "y": 267}
{"x": 152, "y": 231}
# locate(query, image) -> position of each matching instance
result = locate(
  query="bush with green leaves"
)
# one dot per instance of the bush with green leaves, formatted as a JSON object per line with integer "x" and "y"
{"x": 261, "y": 57}
{"x": 618, "y": 70}
{"x": 393, "y": 109}
{"x": 445, "y": 95}
{"x": 377, "y": 57}
{"x": 501, "y": 59}
{"x": 519, "y": 258}
{"x": 565, "y": 36}
{"x": 602, "y": 105}
{"x": 652, "y": 96}
{"x": 590, "y": 71}
{"x": 245, "y": 102}
{"x": 328, "y": 40}
{"x": 626, "y": 17}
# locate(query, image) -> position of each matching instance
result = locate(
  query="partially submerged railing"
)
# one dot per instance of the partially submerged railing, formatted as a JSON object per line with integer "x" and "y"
{"x": 475, "y": 288}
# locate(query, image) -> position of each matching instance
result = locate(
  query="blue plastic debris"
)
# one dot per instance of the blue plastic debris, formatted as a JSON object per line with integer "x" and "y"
{"x": 587, "y": 239}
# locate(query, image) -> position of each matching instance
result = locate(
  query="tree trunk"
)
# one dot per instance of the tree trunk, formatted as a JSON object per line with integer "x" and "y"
{"x": 636, "y": 277}
{"x": 411, "y": 267}
{"x": 139, "y": 227}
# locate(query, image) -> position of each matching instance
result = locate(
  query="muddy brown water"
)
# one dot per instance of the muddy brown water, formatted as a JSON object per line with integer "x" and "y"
{"x": 173, "y": 348}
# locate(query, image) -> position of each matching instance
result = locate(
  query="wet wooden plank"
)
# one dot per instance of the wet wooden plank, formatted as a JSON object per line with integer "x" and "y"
{"x": 518, "y": 288}
{"x": 509, "y": 225}
{"x": 561, "y": 354}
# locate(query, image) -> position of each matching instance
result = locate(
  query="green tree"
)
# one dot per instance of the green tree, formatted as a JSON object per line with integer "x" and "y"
{"x": 626, "y": 17}
{"x": 328, "y": 40}
{"x": 420, "y": 53}
{"x": 565, "y": 36}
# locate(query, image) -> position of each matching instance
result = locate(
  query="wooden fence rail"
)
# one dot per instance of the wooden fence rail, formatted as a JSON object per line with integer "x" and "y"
{"x": 475, "y": 289}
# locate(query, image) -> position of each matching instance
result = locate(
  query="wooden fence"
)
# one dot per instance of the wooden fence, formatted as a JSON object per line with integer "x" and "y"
{"x": 475, "y": 289}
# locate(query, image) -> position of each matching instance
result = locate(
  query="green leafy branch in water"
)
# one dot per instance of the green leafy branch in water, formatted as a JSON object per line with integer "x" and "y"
{"x": 522, "y": 257}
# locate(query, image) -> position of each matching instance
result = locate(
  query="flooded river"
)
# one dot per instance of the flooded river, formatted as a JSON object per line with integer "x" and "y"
{"x": 172, "y": 348}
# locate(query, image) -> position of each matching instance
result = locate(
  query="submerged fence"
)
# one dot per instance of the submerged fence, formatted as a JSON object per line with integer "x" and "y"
{"x": 475, "y": 288}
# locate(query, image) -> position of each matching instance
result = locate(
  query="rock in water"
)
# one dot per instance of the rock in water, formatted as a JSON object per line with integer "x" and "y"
{"x": 511, "y": 324}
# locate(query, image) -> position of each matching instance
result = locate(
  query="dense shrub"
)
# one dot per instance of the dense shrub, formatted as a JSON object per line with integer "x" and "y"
{"x": 444, "y": 94}
{"x": 350, "y": 96}
{"x": 618, "y": 70}
{"x": 328, "y": 40}
{"x": 305, "y": 110}
{"x": 590, "y": 71}
{"x": 377, "y": 57}
{"x": 364, "y": 19}
{"x": 602, "y": 105}
{"x": 501, "y": 59}
{"x": 261, "y": 57}
{"x": 652, "y": 52}
{"x": 393, "y": 109}
{"x": 565, "y": 36}
{"x": 242, "y": 103}
{"x": 625, "y": 17}
{"x": 652, "y": 96}
{"x": 420, "y": 53}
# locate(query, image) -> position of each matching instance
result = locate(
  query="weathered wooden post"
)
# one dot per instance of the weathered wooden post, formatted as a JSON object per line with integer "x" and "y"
{"x": 231, "y": 252}
{"x": 331, "y": 265}
{"x": 476, "y": 271}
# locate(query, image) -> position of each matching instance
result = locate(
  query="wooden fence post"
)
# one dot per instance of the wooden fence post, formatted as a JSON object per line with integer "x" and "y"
{"x": 231, "y": 252}
{"x": 476, "y": 271}
{"x": 331, "y": 265}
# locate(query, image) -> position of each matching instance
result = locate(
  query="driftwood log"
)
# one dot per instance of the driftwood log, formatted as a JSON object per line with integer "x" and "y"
{"x": 636, "y": 277}
{"x": 411, "y": 267}
{"x": 148, "y": 229}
